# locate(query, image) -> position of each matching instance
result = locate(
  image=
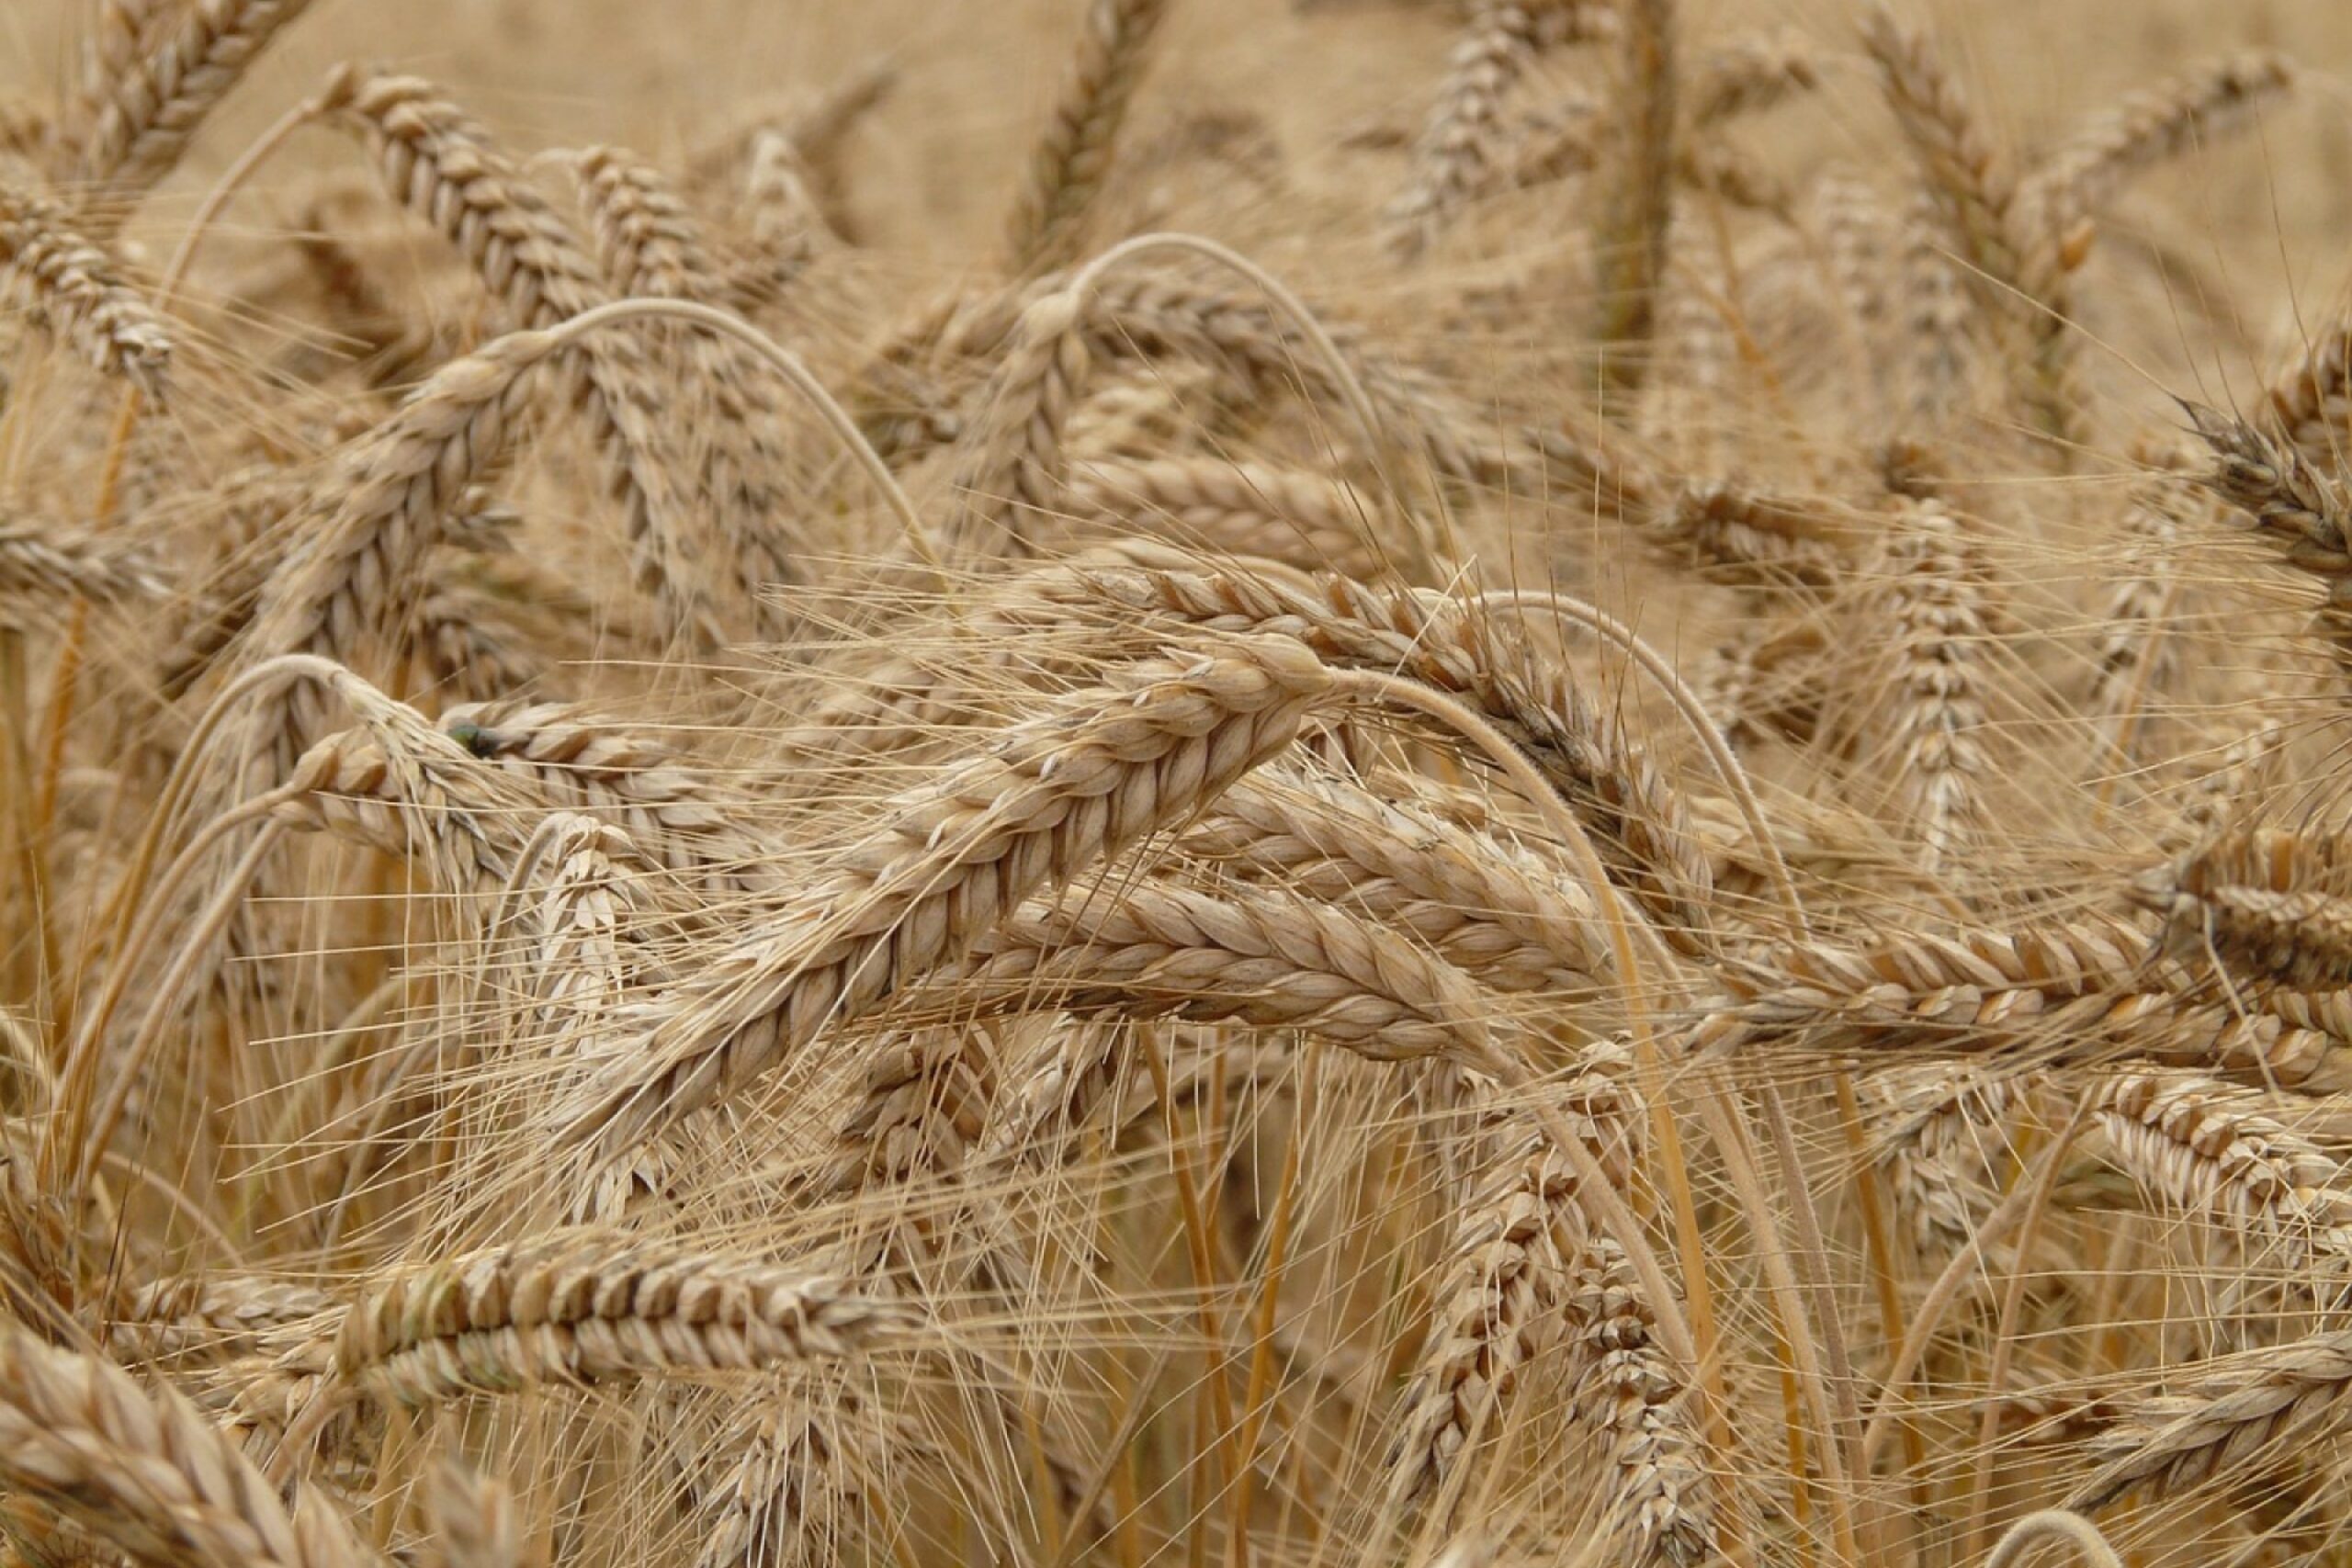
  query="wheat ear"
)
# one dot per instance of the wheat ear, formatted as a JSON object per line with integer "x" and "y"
{"x": 151, "y": 110}
{"x": 144, "y": 1471}
{"x": 587, "y": 1309}
{"x": 951, "y": 858}
{"x": 66, "y": 284}
{"x": 1072, "y": 156}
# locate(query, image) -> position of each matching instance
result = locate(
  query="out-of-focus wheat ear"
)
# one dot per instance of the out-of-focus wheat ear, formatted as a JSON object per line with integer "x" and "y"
{"x": 780, "y": 214}
{"x": 574, "y": 1308}
{"x": 65, "y": 283}
{"x": 148, "y": 113}
{"x": 1636, "y": 202}
{"x": 1464, "y": 140}
{"x": 2193, "y": 111}
{"x": 145, "y": 1473}
{"x": 2296, "y": 502}
{"x": 1014, "y": 467}
{"x": 117, "y": 34}
{"x": 474, "y": 1519}
{"x": 210, "y": 1315}
{"x": 1072, "y": 156}
{"x": 1244, "y": 509}
{"x": 2239, "y": 1416}
{"x": 947, "y": 860}
{"x": 1748, "y": 76}
{"x": 1937, "y": 357}
{"x": 44, "y": 563}
{"x": 1924, "y": 741}
{"x": 2137, "y": 650}
{"x": 2016, "y": 270}
{"x": 2274, "y": 904}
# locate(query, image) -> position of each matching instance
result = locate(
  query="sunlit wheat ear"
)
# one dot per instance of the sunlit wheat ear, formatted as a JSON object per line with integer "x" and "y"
{"x": 2083, "y": 991}
{"x": 949, "y": 858}
{"x": 591, "y": 1308}
{"x": 1591, "y": 761}
{"x": 2240, "y": 1415}
{"x": 443, "y": 167}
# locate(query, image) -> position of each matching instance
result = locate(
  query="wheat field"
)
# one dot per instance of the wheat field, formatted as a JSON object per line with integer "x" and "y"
{"x": 1119, "y": 783}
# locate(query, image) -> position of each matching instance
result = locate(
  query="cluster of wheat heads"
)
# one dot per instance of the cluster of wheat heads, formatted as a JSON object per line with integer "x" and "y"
{"x": 1606, "y": 843}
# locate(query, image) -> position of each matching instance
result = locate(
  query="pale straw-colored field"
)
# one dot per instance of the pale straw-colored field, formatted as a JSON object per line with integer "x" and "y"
{"x": 1146, "y": 782}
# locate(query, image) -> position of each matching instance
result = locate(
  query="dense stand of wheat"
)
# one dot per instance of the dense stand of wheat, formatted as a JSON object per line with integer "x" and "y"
{"x": 1530, "y": 781}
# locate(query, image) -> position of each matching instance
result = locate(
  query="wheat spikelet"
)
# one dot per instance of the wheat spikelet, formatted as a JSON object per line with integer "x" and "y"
{"x": 1234, "y": 508}
{"x": 1463, "y": 141}
{"x": 1749, "y": 75}
{"x": 574, "y": 756}
{"x": 115, "y": 38}
{"x": 2298, "y": 506}
{"x": 1456, "y": 650}
{"x": 148, "y": 113}
{"x": 421, "y": 793}
{"x": 359, "y": 570}
{"x": 1500, "y": 915}
{"x": 2137, "y": 652}
{"x": 1925, "y": 724}
{"x": 951, "y": 857}
{"x": 2274, "y": 902}
{"x": 1256, "y": 959}
{"x": 1738, "y": 534}
{"x": 66, "y": 284}
{"x": 1973, "y": 188}
{"x": 1072, "y": 157}
{"x": 2083, "y": 174}
{"x": 208, "y": 1314}
{"x": 585, "y": 1309}
{"x": 2208, "y": 1150}
{"x": 2238, "y": 1415}
{"x": 144, "y": 1471}
{"x": 1013, "y": 471}
{"x": 651, "y": 246}
{"x": 475, "y": 1523}
{"x": 799, "y": 1483}
{"x": 1950, "y": 1127}
{"x": 2086, "y": 989}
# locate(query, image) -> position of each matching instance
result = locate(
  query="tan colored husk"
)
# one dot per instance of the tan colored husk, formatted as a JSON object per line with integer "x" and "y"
{"x": 587, "y": 1309}
{"x": 948, "y": 859}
